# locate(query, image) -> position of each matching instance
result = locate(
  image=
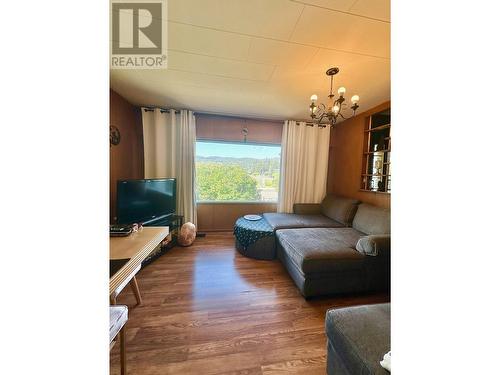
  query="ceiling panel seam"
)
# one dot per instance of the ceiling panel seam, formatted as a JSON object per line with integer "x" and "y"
{"x": 219, "y": 57}
{"x": 296, "y": 22}
{"x": 283, "y": 41}
{"x": 272, "y": 73}
{"x": 353, "y": 4}
{"x": 340, "y": 11}
{"x": 218, "y": 75}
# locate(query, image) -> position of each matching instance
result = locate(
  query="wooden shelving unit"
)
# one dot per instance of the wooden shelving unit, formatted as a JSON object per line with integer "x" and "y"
{"x": 376, "y": 172}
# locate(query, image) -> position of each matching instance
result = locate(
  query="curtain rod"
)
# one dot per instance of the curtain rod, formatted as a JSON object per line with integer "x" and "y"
{"x": 311, "y": 124}
{"x": 162, "y": 110}
{"x": 166, "y": 110}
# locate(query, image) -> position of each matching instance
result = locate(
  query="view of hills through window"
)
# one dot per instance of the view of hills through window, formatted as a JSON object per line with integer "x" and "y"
{"x": 237, "y": 171}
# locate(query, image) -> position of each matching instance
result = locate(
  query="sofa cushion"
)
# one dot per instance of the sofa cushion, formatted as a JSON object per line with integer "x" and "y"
{"x": 317, "y": 250}
{"x": 283, "y": 221}
{"x": 372, "y": 220}
{"x": 339, "y": 208}
{"x": 374, "y": 244}
{"x": 360, "y": 335}
{"x": 307, "y": 208}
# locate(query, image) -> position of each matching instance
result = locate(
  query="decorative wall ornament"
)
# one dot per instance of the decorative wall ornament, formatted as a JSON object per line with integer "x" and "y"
{"x": 245, "y": 133}
{"x": 114, "y": 135}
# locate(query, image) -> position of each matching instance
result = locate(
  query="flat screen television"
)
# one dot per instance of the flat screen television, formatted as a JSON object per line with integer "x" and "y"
{"x": 145, "y": 201}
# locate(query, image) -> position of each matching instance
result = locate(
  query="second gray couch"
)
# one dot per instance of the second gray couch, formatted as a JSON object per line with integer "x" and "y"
{"x": 357, "y": 339}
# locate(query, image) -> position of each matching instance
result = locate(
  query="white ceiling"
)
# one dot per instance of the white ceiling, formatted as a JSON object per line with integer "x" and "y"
{"x": 264, "y": 58}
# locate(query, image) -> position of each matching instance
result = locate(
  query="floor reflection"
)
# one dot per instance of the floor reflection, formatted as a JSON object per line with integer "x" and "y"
{"x": 226, "y": 274}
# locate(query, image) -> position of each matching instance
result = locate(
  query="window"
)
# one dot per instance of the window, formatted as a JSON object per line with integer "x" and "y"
{"x": 237, "y": 172}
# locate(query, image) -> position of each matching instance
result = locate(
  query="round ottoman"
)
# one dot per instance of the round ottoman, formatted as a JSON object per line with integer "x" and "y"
{"x": 255, "y": 239}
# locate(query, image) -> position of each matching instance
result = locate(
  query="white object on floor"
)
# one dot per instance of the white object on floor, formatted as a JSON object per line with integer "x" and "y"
{"x": 253, "y": 217}
{"x": 386, "y": 361}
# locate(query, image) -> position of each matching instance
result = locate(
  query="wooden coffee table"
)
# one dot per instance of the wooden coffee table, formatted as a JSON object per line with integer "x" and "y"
{"x": 133, "y": 249}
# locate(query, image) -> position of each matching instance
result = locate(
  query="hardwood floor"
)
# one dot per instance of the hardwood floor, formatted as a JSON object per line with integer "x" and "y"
{"x": 209, "y": 310}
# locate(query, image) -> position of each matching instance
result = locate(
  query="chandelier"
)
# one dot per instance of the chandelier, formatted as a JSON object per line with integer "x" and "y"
{"x": 328, "y": 114}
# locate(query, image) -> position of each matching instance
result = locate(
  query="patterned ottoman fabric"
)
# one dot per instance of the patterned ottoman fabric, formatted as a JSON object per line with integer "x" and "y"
{"x": 255, "y": 239}
{"x": 248, "y": 232}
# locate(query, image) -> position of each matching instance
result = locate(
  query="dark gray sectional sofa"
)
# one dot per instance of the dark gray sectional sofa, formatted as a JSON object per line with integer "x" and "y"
{"x": 341, "y": 246}
{"x": 325, "y": 255}
{"x": 357, "y": 339}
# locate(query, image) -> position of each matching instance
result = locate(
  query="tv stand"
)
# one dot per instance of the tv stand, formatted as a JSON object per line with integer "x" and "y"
{"x": 174, "y": 223}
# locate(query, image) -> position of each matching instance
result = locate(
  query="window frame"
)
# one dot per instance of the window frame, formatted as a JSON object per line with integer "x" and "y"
{"x": 204, "y": 140}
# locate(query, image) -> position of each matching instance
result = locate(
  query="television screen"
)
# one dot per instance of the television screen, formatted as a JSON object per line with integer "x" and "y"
{"x": 139, "y": 201}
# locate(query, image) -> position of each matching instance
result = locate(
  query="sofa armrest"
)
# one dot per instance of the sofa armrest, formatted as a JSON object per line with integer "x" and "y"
{"x": 307, "y": 208}
{"x": 375, "y": 245}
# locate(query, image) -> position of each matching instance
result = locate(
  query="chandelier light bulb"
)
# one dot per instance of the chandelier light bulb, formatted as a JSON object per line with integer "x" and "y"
{"x": 335, "y": 109}
{"x": 314, "y": 97}
{"x": 341, "y": 91}
{"x": 355, "y": 99}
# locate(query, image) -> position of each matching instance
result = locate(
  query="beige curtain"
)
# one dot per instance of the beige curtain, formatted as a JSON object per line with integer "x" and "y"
{"x": 169, "y": 151}
{"x": 304, "y": 164}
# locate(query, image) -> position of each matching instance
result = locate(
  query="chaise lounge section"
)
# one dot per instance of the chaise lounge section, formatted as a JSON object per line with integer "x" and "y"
{"x": 256, "y": 239}
{"x": 324, "y": 261}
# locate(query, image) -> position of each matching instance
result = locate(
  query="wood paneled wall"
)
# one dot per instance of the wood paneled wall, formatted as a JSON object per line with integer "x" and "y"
{"x": 345, "y": 160}
{"x": 127, "y": 158}
{"x": 222, "y": 216}
{"x": 224, "y": 128}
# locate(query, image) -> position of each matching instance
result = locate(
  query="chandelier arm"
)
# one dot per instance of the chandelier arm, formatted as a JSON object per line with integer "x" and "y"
{"x": 324, "y": 117}
{"x": 341, "y": 103}
{"x": 321, "y": 109}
